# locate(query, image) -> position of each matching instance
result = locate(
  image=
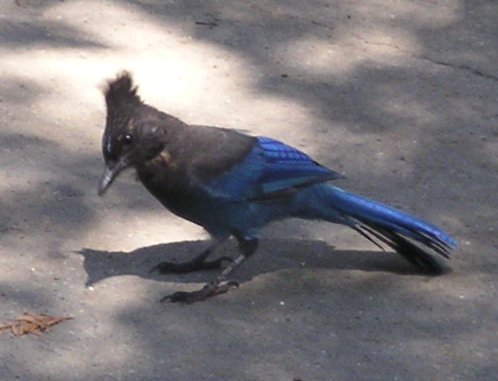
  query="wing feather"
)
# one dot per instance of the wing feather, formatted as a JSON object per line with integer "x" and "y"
{"x": 270, "y": 170}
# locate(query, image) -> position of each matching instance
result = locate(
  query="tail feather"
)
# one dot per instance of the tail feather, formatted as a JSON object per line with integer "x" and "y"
{"x": 408, "y": 250}
{"x": 414, "y": 239}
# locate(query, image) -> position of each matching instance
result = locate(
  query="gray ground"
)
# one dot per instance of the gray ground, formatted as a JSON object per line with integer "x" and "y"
{"x": 401, "y": 96}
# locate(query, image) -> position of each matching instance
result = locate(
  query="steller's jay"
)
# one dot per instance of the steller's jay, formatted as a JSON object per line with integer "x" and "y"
{"x": 234, "y": 184}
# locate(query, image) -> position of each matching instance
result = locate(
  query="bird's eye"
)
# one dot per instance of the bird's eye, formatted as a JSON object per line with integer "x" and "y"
{"x": 127, "y": 139}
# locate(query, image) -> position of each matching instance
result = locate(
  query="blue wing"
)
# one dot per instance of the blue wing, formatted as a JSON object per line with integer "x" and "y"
{"x": 272, "y": 169}
{"x": 286, "y": 167}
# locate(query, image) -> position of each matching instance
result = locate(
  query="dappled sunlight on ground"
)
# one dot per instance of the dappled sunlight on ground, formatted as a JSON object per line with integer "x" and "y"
{"x": 397, "y": 95}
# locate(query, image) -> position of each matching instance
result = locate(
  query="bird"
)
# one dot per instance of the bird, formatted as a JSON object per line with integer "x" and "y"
{"x": 233, "y": 184}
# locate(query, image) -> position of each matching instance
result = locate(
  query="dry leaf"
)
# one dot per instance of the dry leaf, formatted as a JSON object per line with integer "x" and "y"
{"x": 29, "y": 323}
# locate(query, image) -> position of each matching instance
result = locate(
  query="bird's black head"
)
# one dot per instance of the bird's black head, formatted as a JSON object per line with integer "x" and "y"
{"x": 132, "y": 135}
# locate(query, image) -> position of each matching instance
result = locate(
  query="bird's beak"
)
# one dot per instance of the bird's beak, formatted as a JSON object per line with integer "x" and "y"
{"x": 112, "y": 170}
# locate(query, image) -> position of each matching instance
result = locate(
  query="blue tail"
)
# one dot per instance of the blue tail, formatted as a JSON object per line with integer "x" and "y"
{"x": 397, "y": 229}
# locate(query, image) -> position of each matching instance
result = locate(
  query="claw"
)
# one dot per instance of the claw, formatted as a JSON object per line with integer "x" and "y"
{"x": 204, "y": 293}
{"x": 186, "y": 267}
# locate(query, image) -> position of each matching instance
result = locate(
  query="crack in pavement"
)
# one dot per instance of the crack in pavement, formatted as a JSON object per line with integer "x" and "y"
{"x": 452, "y": 65}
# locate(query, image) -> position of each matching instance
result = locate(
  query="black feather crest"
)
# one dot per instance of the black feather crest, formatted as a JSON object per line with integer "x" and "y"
{"x": 121, "y": 90}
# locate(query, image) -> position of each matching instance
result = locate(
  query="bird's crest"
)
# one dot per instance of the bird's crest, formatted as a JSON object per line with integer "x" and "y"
{"x": 121, "y": 91}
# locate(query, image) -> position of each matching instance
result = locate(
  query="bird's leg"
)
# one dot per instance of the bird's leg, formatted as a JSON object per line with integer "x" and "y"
{"x": 218, "y": 285}
{"x": 197, "y": 263}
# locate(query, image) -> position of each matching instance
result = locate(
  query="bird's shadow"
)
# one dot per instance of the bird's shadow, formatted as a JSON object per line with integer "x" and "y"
{"x": 273, "y": 255}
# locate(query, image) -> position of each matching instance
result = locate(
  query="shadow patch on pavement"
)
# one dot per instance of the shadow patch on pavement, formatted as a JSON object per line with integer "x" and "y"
{"x": 44, "y": 33}
{"x": 273, "y": 255}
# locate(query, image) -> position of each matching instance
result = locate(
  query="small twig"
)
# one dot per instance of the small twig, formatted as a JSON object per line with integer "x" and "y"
{"x": 210, "y": 24}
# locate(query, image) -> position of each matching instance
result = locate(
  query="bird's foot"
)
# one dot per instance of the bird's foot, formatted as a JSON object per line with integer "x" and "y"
{"x": 187, "y": 267}
{"x": 208, "y": 291}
